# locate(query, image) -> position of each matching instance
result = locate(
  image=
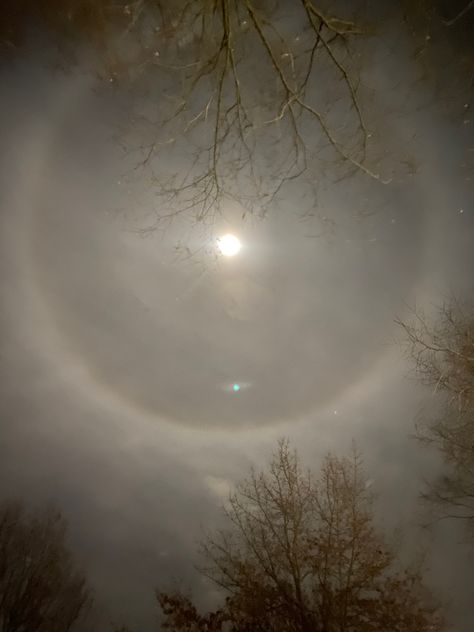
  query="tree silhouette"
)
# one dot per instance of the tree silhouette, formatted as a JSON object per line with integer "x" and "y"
{"x": 304, "y": 555}
{"x": 442, "y": 353}
{"x": 40, "y": 588}
{"x": 235, "y": 98}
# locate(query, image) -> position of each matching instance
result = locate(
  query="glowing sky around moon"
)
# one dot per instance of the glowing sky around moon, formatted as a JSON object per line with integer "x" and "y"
{"x": 240, "y": 322}
{"x": 289, "y": 305}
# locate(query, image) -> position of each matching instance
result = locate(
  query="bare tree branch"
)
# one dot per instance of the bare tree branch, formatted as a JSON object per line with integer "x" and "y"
{"x": 246, "y": 100}
{"x": 442, "y": 354}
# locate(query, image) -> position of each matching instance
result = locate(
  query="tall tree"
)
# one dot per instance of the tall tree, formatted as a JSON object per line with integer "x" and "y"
{"x": 40, "y": 588}
{"x": 442, "y": 353}
{"x": 304, "y": 555}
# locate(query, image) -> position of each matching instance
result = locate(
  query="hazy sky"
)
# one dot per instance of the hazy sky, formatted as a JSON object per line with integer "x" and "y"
{"x": 118, "y": 357}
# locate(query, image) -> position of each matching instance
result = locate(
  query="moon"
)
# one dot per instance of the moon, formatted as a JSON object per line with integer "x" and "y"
{"x": 229, "y": 245}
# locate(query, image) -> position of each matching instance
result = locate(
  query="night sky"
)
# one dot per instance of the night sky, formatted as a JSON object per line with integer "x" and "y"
{"x": 118, "y": 355}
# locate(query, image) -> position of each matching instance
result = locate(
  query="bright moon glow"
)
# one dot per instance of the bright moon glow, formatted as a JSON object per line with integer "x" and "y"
{"x": 236, "y": 388}
{"x": 229, "y": 245}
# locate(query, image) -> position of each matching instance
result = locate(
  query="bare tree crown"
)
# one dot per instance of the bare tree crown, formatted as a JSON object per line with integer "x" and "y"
{"x": 303, "y": 554}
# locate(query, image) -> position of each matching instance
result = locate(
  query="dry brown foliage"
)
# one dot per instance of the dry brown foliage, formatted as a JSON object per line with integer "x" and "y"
{"x": 304, "y": 555}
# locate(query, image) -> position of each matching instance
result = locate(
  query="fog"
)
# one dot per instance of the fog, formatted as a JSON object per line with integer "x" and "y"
{"x": 118, "y": 355}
